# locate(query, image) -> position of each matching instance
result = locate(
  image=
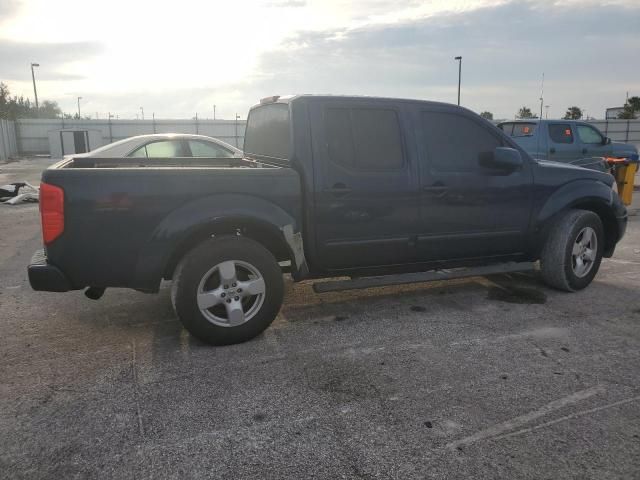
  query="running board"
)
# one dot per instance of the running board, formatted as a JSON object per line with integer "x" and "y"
{"x": 430, "y": 276}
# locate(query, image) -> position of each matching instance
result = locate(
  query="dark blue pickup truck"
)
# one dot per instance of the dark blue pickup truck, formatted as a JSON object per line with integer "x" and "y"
{"x": 380, "y": 190}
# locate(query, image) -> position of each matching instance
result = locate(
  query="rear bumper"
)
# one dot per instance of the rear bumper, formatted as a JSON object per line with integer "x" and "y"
{"x": 46, "y": 277}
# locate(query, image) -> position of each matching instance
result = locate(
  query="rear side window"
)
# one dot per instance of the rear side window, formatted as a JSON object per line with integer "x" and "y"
{"x": 200, "y": 148}
{"x": 160, "y": 149}
{"x": 267, "y": 132}
{"x": 560, "y": 133}
{"x": 518, "y": 129}
{"x": 454, "y": 143}
{"x": 364, "y": 138}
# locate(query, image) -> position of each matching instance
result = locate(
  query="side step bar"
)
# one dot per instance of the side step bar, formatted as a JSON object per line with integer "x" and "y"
{"x": 430, "y": 276}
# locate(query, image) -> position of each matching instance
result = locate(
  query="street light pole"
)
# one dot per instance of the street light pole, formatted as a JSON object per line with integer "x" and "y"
{"x": 459, "y": 75}
{"x": 79, "y": 98}
{"x": 35, "y": 91}
{"x": 236, "y": 125}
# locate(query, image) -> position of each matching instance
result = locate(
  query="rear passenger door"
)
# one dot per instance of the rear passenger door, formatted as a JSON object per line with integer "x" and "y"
{"x": 365, "y": 185}
{"x": 467, "y": 210}
{"x": 563, "y": 145}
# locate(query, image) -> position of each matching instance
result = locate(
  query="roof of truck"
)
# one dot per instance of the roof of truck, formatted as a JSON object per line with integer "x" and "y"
{"x": 290, "y": 98}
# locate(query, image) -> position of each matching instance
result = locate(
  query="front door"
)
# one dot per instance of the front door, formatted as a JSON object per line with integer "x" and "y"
{"x": 467, "y": 210}
{"x": 592, "y": 141}
{"x": 365, "y": 185}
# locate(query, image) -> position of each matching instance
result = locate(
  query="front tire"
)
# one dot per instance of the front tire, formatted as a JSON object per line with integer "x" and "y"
{"x": 573, "y": 250}
{"x": 227, "y": 290}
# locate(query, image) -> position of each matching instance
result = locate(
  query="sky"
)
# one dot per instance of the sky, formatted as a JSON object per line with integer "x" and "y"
{"x": 176, "y": 58}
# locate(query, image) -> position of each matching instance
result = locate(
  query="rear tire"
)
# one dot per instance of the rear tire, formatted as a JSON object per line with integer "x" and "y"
{"x": 573, "y": 250}
{"x": 227, "y": 290}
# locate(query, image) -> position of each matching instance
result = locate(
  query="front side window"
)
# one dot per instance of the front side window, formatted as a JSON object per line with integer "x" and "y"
{"x": 454, "y": 143}
{"x": 589, "y": 135}
{"x": 560, "y": 133}
{"x": 366, "y": 139}
{"x": 201, "y": 148}
{"x": 161, "y": 149}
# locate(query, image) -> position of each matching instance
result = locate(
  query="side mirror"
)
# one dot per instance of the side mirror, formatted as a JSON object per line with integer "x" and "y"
{"x": 606, "y": 141}
{"x": 502, "y": 158}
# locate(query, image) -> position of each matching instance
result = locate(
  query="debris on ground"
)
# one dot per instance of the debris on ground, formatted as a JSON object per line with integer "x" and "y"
{"x": 19, "y": 192}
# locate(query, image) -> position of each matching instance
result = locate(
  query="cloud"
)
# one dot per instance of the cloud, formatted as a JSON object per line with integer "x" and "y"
{"x": 8, "y": 8}
{"x": 17, "y": 57}
{"x": 587, "y": 55}
{"x": 288, "y": 4}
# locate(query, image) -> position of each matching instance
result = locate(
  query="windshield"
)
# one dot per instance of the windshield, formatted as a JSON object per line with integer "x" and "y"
{"x": 267, "y": 134}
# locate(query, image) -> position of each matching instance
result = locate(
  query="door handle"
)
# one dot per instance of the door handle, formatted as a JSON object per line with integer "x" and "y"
{"x": 552, "y": 150}
{"x": 338, "y": 189}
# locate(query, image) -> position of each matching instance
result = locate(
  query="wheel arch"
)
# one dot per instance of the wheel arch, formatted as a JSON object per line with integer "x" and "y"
{"x": 237, "y": 214}
{"x": 262, "y": 232}
{"x": 572, "y": 196}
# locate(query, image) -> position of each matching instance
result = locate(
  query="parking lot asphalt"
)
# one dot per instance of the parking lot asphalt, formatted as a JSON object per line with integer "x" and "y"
{"x": 495, "y": 377}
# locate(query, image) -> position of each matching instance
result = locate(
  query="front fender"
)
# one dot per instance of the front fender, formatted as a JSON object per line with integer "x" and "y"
{"x": 192, "y": 217}
{"x": 571, "y": 195}
{"x": 588, "y": 195}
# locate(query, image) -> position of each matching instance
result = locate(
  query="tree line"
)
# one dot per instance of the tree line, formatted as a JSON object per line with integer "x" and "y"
{"x": 13, "y": 107}
{"x": 631, "y": 110}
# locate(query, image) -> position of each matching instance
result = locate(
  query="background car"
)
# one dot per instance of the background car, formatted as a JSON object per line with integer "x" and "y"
{"x": 165, "y": 145}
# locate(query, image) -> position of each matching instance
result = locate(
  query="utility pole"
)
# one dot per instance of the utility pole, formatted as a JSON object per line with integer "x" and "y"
{"x": 459, "y": 75}
{"x": 542, "y": 95}
{"x": 35, "y": 91}
{"x": 236, "y": 125}
{"x": 142, "y": 111}
{"x": 79, "y": 98}
{"x": 109, "y": 117}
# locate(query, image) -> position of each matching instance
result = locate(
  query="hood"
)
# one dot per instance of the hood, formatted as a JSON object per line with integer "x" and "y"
{"x": 623, "y": 149}
{"x": 565, "y": 172}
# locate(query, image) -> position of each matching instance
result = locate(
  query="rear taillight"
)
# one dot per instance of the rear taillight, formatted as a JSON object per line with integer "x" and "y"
{"x": 51, "y": 212}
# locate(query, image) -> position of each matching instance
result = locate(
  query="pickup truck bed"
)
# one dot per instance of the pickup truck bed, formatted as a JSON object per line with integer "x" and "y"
{"x": 122, "y": 220}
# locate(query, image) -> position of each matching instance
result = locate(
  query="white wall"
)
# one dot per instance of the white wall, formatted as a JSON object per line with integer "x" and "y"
{"x": 626, "y": 131}
{"x": 33, "y": 134}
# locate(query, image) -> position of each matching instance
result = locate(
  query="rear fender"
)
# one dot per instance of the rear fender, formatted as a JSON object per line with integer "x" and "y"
{"x": 204, "y": 217}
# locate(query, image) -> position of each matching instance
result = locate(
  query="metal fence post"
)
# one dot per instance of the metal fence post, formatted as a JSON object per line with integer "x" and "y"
{"x": 3, "y": 150}
{"x": 626, "y": 137}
